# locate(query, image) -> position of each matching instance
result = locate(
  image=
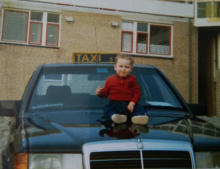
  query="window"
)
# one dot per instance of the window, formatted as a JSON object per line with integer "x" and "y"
{"x": 146, "y": 38}
{"x": 15, "y": 26}
{"x": 36, "y": 28}
{"x": 52, "y": 29}
{"x": 207, "y": 13}
{"x": 160, "y": 40}
{"x": 83, "y": 81}
{"x": 208, "y": 9}
{"x": 127, "y": 41}
{"x": 142, "y": 35}
{"x": 31, "y": 27}
{"x": 217, "y": 9}
{"x": 205, "y": 9}
{"x": 127, "y": 37}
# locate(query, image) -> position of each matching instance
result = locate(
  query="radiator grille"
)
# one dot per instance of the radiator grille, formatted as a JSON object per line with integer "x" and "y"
{"x": 132, "y": 160}
{"x": 167, "y": 159}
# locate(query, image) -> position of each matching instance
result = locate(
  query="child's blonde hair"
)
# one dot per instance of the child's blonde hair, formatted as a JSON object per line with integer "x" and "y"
{"x": 124, "y": 57}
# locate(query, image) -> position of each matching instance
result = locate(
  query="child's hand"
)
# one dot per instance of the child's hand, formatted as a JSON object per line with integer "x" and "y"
{"x": 131, "y": 105}
{"x": 98, "y": 90}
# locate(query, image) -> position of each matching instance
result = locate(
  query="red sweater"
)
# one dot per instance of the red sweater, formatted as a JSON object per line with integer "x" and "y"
{"x": 121, "y": 89}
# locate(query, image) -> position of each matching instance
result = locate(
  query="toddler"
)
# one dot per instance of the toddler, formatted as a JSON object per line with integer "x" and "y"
{"x": 124, "y": 92}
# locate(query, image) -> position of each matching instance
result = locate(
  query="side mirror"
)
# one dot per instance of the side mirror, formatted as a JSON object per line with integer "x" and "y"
{"x": 9, "y": 107}
{"x": 198, "y": 109}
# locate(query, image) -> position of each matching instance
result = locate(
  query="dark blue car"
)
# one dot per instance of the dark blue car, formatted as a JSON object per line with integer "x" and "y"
{"x": 61, "y": 124}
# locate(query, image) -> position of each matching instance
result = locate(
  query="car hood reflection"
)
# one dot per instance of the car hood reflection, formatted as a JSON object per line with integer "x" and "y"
{"x": 64, "y": 133}
{"x": 48, "y": 135}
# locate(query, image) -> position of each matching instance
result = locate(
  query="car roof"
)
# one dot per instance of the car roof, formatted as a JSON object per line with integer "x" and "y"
{"x": 91, "y": 65}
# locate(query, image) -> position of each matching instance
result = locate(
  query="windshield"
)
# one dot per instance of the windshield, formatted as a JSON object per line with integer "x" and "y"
{"x": 74, "y": 88}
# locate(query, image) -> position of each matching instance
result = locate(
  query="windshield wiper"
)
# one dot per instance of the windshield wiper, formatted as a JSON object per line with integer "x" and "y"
{"x": 47, "y": 106}
{"x": 168, "y": 107}
{"x": 172, "y": 113}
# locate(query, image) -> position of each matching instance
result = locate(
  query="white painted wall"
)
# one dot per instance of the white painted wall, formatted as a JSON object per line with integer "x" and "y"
{"x": 142, "y": 6}
{"x": 138, "y": 6}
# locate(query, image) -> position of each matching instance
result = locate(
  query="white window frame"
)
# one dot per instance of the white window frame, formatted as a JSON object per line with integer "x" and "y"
{"x": 170, "y": 38}
{"x": 136, "y": 37}
{"x": 2, "y": 26}
{"x": 58, "y": 32}
{"x": 36, "y": 22}
{"x": 128, "y": 31}
{"x": 43, "y": 29}
{"x": 134, "y": 40}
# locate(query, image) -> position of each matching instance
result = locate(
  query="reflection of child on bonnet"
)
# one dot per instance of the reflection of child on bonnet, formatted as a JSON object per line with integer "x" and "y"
{"x": 124, "y": 131}
{"x": 123, "y": 91}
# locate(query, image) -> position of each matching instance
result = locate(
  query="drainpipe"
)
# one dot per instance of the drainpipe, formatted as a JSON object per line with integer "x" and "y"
{"x": 190, "y": 60}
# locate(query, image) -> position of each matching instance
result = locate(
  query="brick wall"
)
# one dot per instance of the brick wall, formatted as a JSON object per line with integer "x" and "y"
{"x": 94, "y": 33}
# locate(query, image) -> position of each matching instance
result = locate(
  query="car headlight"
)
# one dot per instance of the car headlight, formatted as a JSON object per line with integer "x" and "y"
{"x": 207, "y": 160}
{"x": 48, "y": 161}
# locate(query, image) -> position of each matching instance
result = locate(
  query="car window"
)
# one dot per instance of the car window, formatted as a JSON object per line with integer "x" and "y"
{"x": 75, "y": 88}
{"x": 155, "y": 91}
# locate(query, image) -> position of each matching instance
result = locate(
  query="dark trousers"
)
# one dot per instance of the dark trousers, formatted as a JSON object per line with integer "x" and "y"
{"x": 120, "y": 107}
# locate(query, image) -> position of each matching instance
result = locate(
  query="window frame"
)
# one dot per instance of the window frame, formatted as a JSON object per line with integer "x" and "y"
{"x": 58, "y": 29}
{"x": 135, "y": 42}
{"x": 27, "y": 28}
{"x": 43, "y": 32}
{"x": 170, "y": 39}
{"x": 132, "y": 37}
{"x": 147, "y": 43}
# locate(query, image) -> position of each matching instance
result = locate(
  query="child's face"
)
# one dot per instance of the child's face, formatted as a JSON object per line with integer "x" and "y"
{"x": 123, "y": 67}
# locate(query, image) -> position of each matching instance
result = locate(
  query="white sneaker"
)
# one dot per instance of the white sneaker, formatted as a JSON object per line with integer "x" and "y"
{"x": 118, "y": 118}
{"x": 141, "y": 119}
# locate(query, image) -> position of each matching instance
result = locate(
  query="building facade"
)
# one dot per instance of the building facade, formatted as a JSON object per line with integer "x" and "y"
{"x": 155, "y": 33}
